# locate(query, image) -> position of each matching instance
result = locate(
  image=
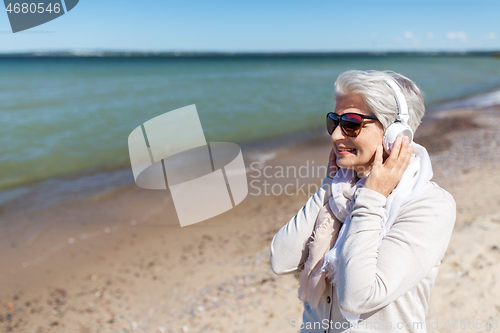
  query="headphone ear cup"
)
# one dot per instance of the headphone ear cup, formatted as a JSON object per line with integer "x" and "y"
{"x": 393, "y": 132}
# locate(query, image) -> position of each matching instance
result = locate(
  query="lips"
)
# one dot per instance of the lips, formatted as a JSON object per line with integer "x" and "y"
{"x": 345, "y": 151}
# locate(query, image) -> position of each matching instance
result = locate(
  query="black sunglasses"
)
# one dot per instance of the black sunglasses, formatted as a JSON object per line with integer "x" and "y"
{"x": 350, "y": 123}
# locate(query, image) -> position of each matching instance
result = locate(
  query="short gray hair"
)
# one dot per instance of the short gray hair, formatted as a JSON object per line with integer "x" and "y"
{"x": 379, "y": 97}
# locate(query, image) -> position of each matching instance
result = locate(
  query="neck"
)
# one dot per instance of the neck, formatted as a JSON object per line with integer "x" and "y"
{"x": 362, "y": 172}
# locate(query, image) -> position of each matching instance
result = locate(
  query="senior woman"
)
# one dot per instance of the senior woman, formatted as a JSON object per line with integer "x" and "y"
{"x": 367, "y": 246}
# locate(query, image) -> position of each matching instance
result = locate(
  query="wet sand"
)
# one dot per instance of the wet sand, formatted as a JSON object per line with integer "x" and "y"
{"x": 121, "y": 263}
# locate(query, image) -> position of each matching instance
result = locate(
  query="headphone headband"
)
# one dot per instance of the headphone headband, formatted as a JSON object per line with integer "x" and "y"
{"x": 403, "y": 114}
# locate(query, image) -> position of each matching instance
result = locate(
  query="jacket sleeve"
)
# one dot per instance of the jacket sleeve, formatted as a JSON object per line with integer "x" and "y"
{"x": 288, "y": 250}
{"x": 372, "y": 277}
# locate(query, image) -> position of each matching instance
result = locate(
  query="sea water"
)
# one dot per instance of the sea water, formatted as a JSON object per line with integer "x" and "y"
{"x": 70, "y": 117}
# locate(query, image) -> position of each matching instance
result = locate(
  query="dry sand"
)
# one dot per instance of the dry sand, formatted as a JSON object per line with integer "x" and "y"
{"x": 120, "y": 263}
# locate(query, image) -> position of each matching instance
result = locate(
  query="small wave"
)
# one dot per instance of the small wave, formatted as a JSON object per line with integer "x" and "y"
{"x": 482, "y": 100}
{"x": 262, "y": 158}
{"x": 57, "y": 190}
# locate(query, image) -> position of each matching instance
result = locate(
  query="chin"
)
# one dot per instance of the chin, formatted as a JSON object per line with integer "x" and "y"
{"x": 360, "y": 169}
{"x": 342, "y": 163}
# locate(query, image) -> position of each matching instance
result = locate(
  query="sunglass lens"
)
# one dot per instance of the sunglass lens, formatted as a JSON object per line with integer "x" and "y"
{"x": 351, "y": 124}
{"x": 332, "y": 121}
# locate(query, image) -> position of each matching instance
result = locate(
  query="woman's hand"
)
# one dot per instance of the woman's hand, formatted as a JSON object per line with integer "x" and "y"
{"x": 385, "y": 176}
{"x": 332, "y": 165}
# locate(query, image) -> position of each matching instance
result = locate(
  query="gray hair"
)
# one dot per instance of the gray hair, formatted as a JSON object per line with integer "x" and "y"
{"x": 379, "y": 97}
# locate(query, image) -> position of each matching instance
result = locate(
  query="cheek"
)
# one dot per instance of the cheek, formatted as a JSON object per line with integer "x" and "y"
{"x": 368, "y": 151}
{"x": 377, "y": 136}
{"x": 369, "y": 148}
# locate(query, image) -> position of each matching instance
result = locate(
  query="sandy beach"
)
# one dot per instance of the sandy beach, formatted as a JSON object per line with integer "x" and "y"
{"x": 120, "y": 262}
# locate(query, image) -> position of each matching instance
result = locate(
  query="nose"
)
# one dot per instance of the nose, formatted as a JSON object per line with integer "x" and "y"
{"x": 337, "y": 135}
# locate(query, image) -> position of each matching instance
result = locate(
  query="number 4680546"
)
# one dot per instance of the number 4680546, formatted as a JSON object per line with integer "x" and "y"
{"x": 33, "y": 8}
{"x": 471, "y": 324}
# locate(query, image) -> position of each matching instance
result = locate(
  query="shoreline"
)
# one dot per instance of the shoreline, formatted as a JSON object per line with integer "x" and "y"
{"x": 60, "y": 190}
{"x": 120, "y": 261}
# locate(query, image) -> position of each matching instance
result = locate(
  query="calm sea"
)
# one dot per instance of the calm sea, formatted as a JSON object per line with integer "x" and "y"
{"x": 63, "y": 118}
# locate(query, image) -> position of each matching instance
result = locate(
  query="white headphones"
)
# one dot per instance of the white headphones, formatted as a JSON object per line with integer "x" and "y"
{"x": 400, "y": 128}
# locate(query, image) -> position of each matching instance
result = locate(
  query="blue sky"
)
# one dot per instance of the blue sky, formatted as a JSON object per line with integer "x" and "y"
{"x": 238, "y": 26}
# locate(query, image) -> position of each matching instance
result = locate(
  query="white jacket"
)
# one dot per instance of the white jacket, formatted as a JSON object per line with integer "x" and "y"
{"x": 390, "y": 285}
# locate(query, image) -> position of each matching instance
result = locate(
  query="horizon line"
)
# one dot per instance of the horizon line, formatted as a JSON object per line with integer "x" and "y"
{"x": 124, "y": 53}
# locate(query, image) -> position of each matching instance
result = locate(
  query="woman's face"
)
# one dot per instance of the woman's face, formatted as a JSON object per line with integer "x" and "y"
{"x": 356, "y": 153}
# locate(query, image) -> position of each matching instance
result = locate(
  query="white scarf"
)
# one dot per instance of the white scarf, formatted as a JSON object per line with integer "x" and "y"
{"x": 320, "y": 266}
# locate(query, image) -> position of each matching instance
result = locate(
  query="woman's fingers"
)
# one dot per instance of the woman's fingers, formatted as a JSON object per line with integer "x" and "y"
{"x": 385, "y": 176}
{"x": 403, "y": 151}
{"x": 405, "y": 155}
{"x": 393, "y": 157}
{"x": 408, "y": 156}
{"x": 378, "y": 156}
